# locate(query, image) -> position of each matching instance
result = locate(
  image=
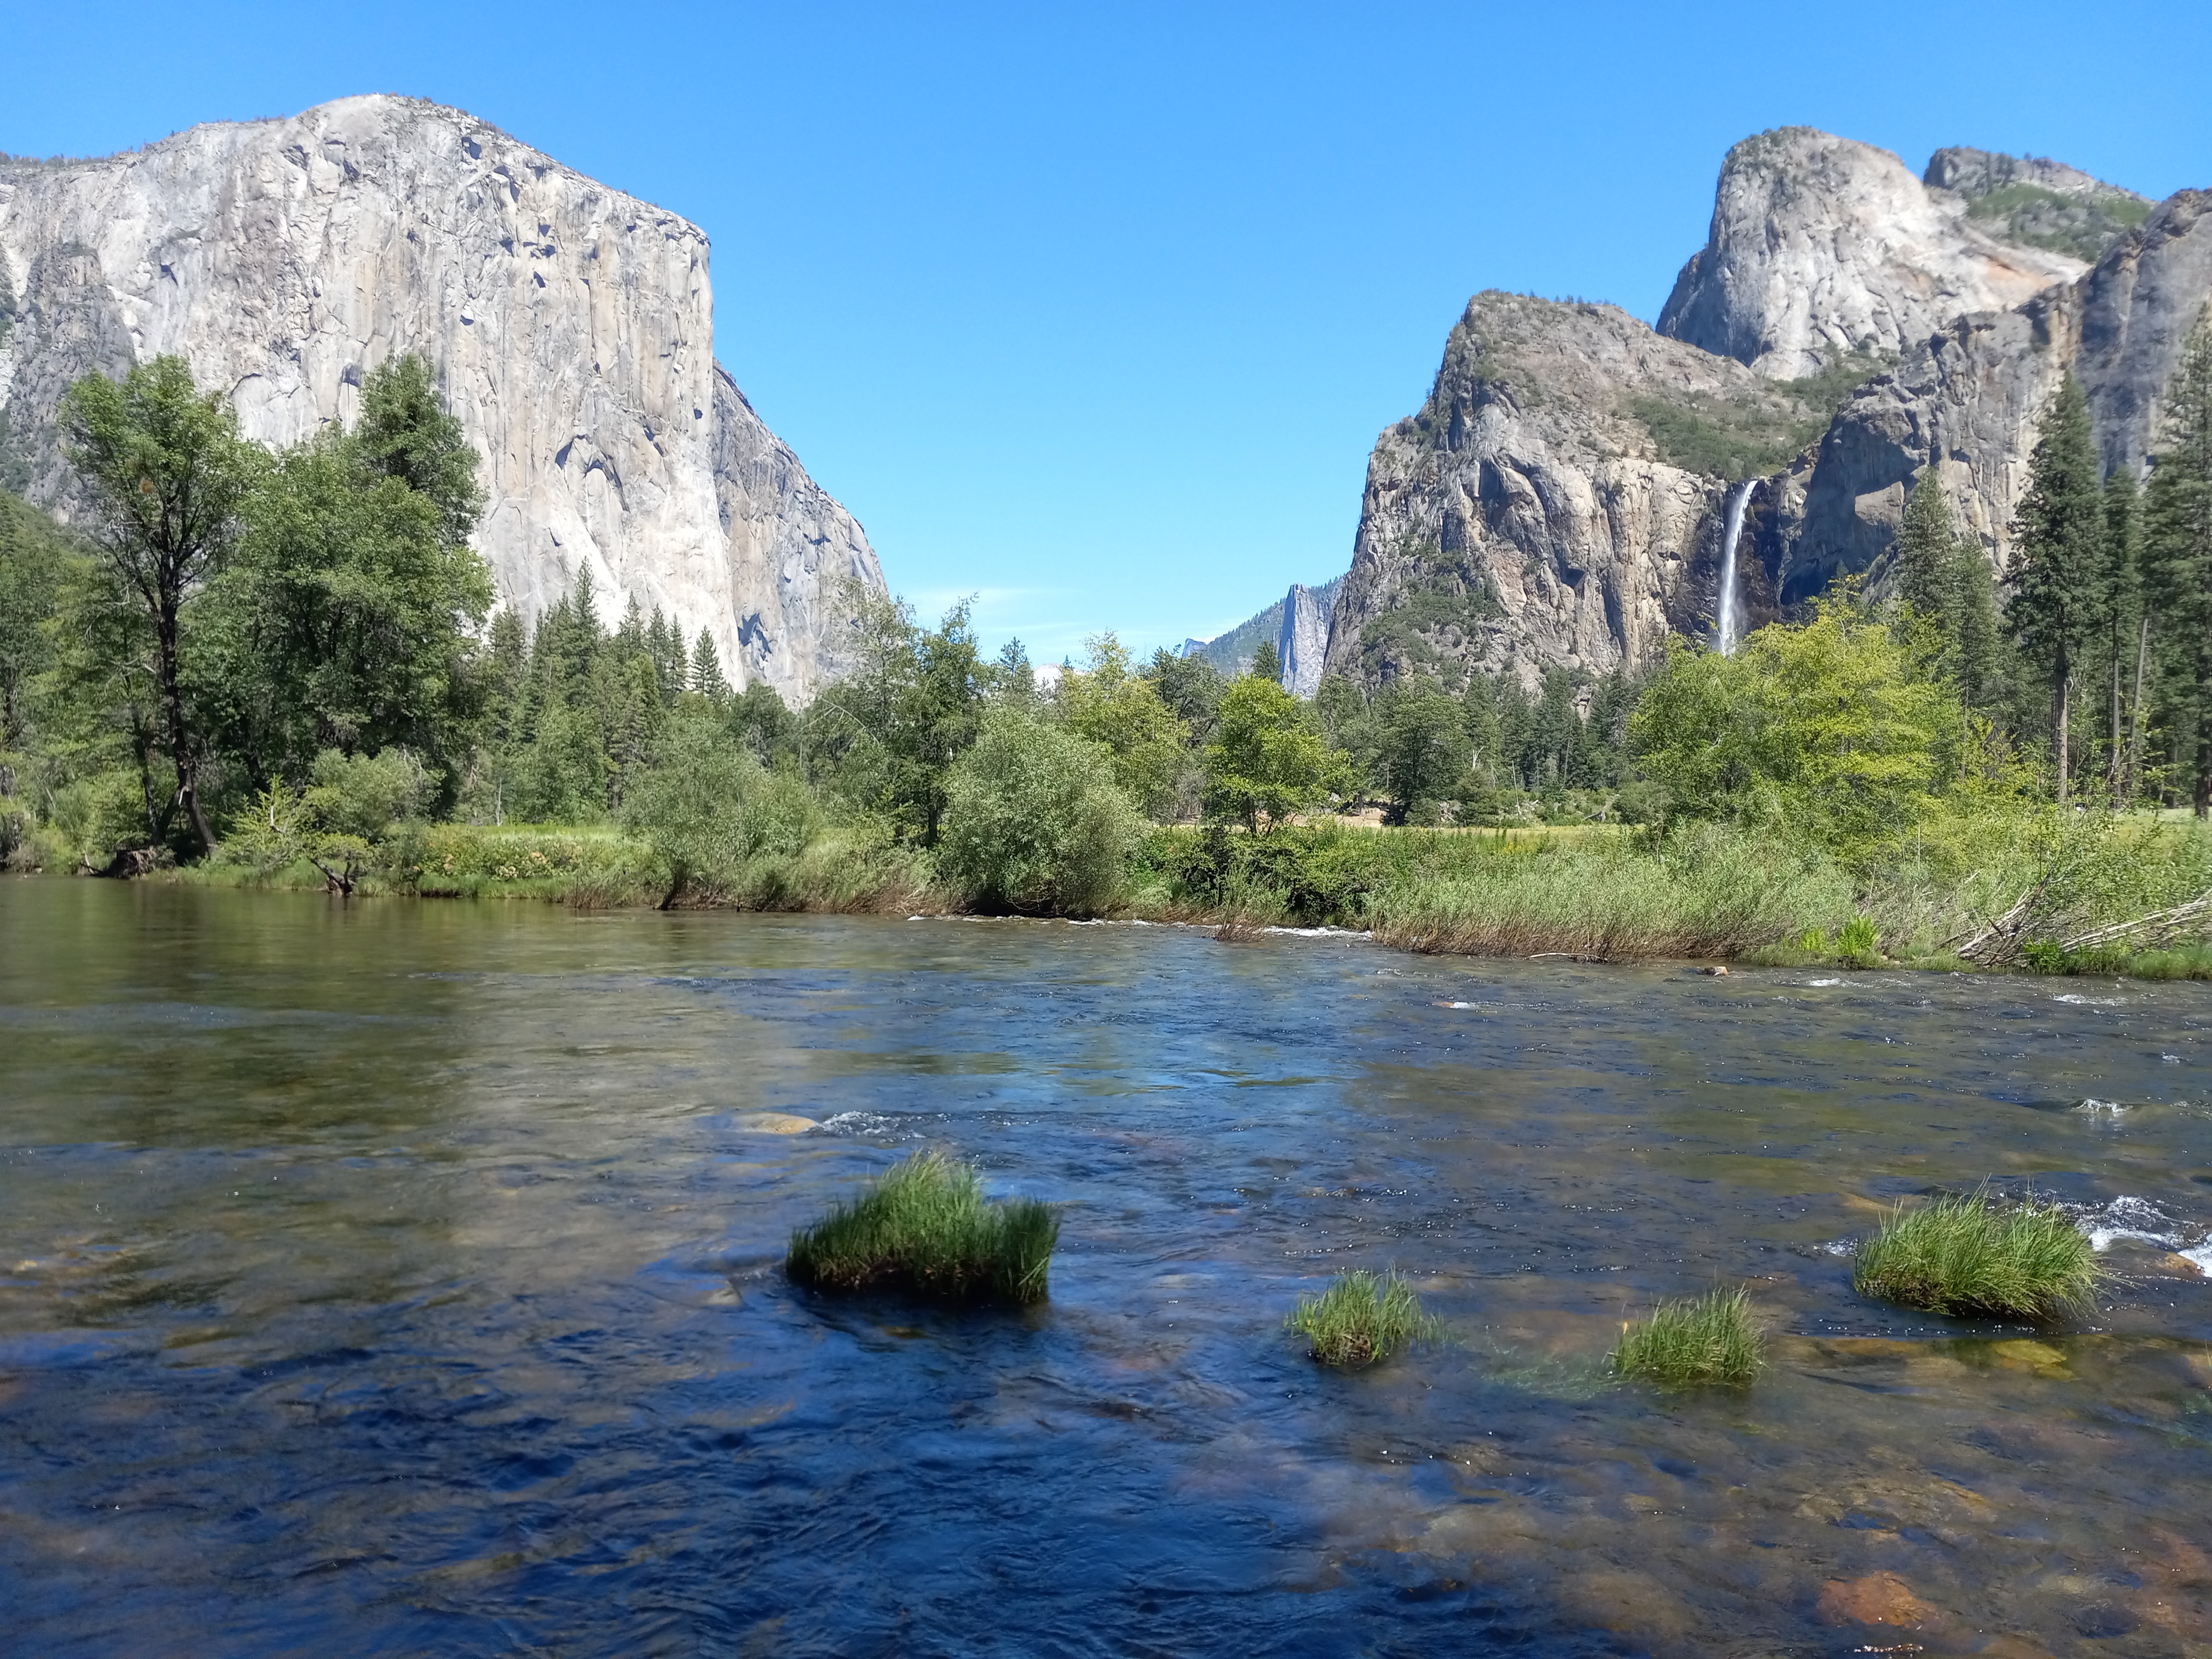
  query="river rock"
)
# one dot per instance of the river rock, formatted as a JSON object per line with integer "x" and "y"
{"x": 1880, "y": 1598}
{"x": 572, "y": 325}
{"x": 774, "y": 1123}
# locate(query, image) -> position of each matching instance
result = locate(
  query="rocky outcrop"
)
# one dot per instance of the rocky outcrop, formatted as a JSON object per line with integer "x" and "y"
{"x": 1301, "y": 647}
{"x": 1967, "y": 399}
{"x": 572, "y": 326}
{"x": 1540, "y": 509}
{"x": 1822, "y": 249}
{"x": 2034, "y": 202}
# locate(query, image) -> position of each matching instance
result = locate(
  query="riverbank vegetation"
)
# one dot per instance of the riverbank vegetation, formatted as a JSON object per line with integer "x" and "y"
{"x": 1968, "y": 1254}
{"x": 301, "y": 680}
{"x": 1362, "y": 1319}
{"x": 925, "y": 1227}
{"x": 1691, "y": 1342}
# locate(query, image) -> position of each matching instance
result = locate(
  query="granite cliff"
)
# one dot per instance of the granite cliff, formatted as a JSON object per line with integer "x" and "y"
{"x": 1558, "y": 500}
{"x": 572, "y": 325}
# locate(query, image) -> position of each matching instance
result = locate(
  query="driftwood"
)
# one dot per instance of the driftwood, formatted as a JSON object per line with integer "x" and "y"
{"x": 2001, "y": 941}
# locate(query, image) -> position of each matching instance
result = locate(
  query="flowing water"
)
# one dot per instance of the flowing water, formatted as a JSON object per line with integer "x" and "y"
{"x": 403, "y": 1278}
{"x": 1731, "y": 621}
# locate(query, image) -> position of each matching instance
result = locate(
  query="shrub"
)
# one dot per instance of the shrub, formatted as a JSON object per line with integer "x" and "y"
{"x": 924, "y": 1226}
{"x": 1361, "y": 1319}
{"x": 1034, "y": 822}
{"x": 708, "y": 807}
{"x": 1857, "y": 942}
{"x": 1691, "y": 1340}
{"x": 1966, "y": 1254}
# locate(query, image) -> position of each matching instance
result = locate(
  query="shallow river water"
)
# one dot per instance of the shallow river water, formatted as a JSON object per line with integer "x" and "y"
{"x": 403, "y": 1278}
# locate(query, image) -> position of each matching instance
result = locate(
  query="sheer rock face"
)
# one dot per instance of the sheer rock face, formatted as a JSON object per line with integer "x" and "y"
{"x": 1303, "y": 645}
{"x": 572, "y": 325}
{"x": 1821, "y": 247}
{"x": 1523, "y": 518}
{"x": 1968, "y": 399}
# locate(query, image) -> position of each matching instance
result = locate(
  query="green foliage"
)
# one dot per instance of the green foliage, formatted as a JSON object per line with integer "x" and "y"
{"x": 1267, "y": 761}
{"x": 406, "y": 432}
{"x": 1691, "y": 1341}
{"x": 1266, "y": 662}
{"x": 707, "y": 807}
{"x": 1123, "y": 713}
{"x": 884, "y": 737}
{"x": 1192, "y": 689}
{"x": 2177, "y": 554}
{"x": 1945, "y": 581}
{"x": 2040, "y": 217}
{"x": 1753, "y": 434}
{"x": 1828, "y": 729}
{"x": 340, "y": 822}
{"x": 1858, "y": 942}
{"x": 1035, "y": 822}
{"x": 168, "y": 476}
{"x": 2061, "y": 584}
{"x": 923, "y": 1226}
{"x": 1437, "y": 618}
{"x": 1966, "y": 1254}
{"x": 1362, "y": 1319}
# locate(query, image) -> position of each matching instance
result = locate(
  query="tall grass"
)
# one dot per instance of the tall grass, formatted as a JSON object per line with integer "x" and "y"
{"x": 924, "y": 1226}
{"x": 1709, "y": 1338}
{"x": 1698, "y": 893}
{"x": 1966, "y": 1254}
{"x": 1363, "y": 1318}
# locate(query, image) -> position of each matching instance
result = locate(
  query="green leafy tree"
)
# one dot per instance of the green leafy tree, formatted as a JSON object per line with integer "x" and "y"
{"x": 2178, "y": 562}
{"x": 708, "y": 807}
{"x": 1829, "y": 729}
{"x": 38, "y": 561}
{"x": 2061, "y": 589}
{"x": 341, "y": 823}
{"x": 1423, "y": 752}
{"x": 1034, "y": 820}
{"x": 406, "y": 431}
{"x": 1123, "y": 713}
{"x": 1266, "y": 761}
{"x": 168, "y": 476}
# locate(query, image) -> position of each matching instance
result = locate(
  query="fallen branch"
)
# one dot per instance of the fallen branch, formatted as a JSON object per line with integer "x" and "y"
{"x": 2154, "y": 931}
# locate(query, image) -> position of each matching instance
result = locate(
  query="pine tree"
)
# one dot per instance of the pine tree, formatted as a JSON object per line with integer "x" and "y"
{"x": 2059, "y": 596}
{"x": 1945, "y": 578}
{"x": 2178, "y": 560}
{"x": 1267, "y": 662}
{"x": 707, "y": 670}
{"x": 1924, "y": 545}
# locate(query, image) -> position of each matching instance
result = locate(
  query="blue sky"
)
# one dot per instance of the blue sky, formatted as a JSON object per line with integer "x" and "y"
{"x": 1095, "y": 310}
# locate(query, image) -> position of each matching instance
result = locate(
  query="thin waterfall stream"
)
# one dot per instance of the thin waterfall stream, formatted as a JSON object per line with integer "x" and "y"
{"x": 1731, "y": 611}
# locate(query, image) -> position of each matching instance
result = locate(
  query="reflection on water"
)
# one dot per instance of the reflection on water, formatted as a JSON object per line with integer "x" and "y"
{"x": 404, "y": 1279}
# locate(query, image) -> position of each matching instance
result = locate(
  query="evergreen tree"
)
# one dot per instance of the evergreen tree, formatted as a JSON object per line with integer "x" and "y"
{"x": 2176, "y": 513}
{"x": 406, "y": 432}
{"x": 2060, "y": 595}
{"x": 1945, "y": 578}
{"x": 707, "y": 671}
{"x": 1268, "y": 663}
{"x": 1016, "y": 678}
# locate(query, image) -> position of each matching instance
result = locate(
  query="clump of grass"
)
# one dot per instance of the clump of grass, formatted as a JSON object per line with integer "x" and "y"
{"x": 1361, "y": 1318}
{"x": 924, "y": 1226}
{"x": 1966, "y": 1254}
{"x": 1693, "y": 1339}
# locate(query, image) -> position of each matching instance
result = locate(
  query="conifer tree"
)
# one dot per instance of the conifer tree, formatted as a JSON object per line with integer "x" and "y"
{"x": 707, "y": 670}
{"x": 2060, "y": 595}
{"x": 1267, "y": 662}
{"x": 1945, "y": 578}
{"x": 2178, "y": 560}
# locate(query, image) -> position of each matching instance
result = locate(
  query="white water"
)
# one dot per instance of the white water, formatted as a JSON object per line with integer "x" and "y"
{"x": 1731, "y": 612}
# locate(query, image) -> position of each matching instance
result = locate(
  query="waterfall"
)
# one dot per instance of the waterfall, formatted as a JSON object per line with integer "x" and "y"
{"x": 1732, "y": 612}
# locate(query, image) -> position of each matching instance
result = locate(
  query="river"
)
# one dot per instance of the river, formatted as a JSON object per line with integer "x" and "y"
{"x": 402, "y": 1277}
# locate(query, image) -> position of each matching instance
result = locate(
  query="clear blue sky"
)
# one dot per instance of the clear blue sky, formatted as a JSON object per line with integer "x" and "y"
{"x": 1096, "y": 310}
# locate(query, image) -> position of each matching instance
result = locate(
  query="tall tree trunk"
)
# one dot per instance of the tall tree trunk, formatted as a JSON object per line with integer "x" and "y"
{"x": 2135, "y": 709}
{"x": 2062, "y": 694}
{"x": 180, "y": 743}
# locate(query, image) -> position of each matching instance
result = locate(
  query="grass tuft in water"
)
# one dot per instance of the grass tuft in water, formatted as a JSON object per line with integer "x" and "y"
{"x": 923, "y": 1225}
{"x": 1692, "y": 1340}
{"x": 1965, "y": 1255}
{"x": 1363, "y": 1318}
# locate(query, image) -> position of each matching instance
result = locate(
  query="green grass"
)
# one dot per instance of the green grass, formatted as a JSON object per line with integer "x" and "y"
{"x": 1693, "y": 1340}
{"x": 924, "y": 1226}
{"x": 1968, "y": 1255}
{"x": 1363, "y": 1318}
